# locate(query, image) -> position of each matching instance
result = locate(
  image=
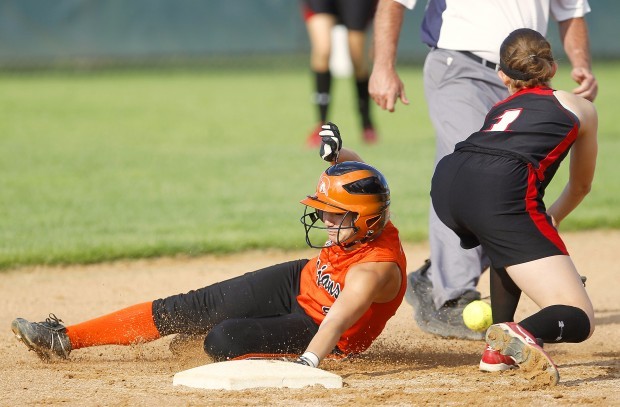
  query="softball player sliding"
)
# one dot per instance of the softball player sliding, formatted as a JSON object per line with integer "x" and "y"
{"x": 490, "y": 190}
{"x": 335, "y": 303}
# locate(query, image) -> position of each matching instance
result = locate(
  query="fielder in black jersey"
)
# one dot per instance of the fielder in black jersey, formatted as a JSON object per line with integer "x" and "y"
{"x": 501, "y": 172}
{"x": 490, "y": 191}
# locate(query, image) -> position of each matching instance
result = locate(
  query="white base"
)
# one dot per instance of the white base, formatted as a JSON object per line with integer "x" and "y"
{"x": 246, "y": 374}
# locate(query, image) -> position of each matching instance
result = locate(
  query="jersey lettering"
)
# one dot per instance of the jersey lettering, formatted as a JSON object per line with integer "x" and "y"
{"x": 325, "y": 280}
{"x": 505, "y": 120}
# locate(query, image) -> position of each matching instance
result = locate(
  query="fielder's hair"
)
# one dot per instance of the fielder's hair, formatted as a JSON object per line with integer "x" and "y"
{"x": 526, "y": 58}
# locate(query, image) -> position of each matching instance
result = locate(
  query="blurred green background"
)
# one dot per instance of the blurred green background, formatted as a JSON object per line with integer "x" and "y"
{"x": 137, "y": 163}
{"x": 122, "y": 138}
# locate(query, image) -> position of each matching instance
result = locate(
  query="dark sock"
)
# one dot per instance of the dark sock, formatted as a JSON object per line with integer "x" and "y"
{"x": 558, "y": 323}
{"x": 363, "y": 100}
{"x": 323, "y": 83}
{"x": 504, "y": 296}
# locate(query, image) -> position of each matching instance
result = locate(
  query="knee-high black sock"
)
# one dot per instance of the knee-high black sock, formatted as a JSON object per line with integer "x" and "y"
{"x": 323, "y": 83}
{"x": 505, "y": 296}
{"x": 558, "y": 323}
{"x": 363, "y": 100}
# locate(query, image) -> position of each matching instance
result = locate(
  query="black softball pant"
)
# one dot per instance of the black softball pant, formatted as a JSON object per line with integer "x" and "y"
{"x": 253, "y": 313}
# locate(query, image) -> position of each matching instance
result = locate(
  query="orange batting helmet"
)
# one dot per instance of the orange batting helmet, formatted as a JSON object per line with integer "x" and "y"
{"x": 350, "y": 187}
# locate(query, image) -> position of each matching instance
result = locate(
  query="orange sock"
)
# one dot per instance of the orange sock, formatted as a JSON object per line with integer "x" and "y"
{"x": 125, "y": 327}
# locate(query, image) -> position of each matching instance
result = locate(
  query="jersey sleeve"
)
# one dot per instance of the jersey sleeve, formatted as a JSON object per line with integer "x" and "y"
{"x": 562, "y": 10}
{"x": 410, "y": 4}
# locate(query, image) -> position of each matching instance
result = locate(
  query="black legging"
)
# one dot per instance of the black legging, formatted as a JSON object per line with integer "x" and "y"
{"x": 253, "y": 313}
{"x": 505, "y": 295}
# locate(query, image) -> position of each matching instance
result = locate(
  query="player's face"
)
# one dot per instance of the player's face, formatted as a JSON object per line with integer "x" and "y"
{"x": 339, "y": 226}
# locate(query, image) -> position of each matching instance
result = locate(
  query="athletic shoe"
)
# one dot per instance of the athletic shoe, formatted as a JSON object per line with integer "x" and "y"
{"x": 493, "y": 361}
{"x": 419, "y": 294}
{"x": 447, "y": 321}
{"x": 47, "y": 339}
{"x": 314, "y": 140}
{"x": 510, "y": 339}
{"x": 369, "y": 135}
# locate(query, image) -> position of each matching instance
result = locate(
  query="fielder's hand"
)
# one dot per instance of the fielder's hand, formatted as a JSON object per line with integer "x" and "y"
{"x": 331, "y": 142}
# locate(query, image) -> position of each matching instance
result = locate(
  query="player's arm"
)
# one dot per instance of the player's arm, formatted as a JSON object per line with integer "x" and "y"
{"x": 575, "y": 38}
{"x": 385, "y": 86}
{"x": 346, "y": 154}
{"x": 365, "y": 283}
{"x": 582, "y": 158}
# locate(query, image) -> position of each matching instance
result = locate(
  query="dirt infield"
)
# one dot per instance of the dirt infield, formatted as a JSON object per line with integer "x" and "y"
{"x": 404, "y": 367}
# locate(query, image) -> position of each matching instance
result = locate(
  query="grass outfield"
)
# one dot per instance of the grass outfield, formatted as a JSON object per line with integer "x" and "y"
{"x": 146, "y": 163}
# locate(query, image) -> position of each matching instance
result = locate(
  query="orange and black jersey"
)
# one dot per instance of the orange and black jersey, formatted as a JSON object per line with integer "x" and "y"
{"x": 323, "y": 277}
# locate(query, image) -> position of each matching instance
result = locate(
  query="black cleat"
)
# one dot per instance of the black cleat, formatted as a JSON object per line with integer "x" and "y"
{"x": 47, "y": 339}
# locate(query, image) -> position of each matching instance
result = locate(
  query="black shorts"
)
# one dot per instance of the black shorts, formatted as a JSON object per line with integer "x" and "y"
{"x": 257, "y": 312}
{"x": 355, "y": 15}
{"x": 495, "y": 201}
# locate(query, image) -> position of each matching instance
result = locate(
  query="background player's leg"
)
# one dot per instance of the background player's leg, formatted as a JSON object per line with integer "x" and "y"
{"x": 319, "y": 28}
{"x": 357, "y": 49}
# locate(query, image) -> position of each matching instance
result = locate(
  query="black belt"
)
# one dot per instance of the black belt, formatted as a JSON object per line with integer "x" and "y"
{"x": 482, "y": 61}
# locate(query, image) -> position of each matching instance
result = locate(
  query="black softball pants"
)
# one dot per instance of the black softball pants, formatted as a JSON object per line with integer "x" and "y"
{"x": 253, "y": 313}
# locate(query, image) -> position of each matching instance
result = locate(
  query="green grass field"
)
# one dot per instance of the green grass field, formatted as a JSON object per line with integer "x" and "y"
{"x": 130, "y": 164}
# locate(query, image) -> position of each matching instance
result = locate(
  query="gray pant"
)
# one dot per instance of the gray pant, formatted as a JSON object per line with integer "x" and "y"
{"x": 459, "y": 92}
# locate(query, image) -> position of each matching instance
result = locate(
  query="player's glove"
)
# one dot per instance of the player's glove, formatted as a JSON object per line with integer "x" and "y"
{"x": 331, "y": 142}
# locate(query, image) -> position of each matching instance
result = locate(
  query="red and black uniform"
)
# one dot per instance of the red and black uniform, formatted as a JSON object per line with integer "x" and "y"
{"x": 490, "y": 190}
{"x": 278, "y": 309}
{"x": 353, "y": 14}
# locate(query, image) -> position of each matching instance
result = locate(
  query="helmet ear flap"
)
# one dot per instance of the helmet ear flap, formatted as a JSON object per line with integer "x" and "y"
{"x": 375, "y": 223}
{"x": 372, "y": 221}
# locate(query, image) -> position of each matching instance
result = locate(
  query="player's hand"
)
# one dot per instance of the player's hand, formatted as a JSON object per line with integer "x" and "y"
{"x": 301, "y": 361}
{"x": 588, "y": 85}
{"x": 308, "y": 359}
{"x": 331, "y": 142}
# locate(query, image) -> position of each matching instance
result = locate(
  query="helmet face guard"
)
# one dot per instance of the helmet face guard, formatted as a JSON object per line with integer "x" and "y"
{"x": 311, "y": 217}
{"x": 349, "y": 188}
